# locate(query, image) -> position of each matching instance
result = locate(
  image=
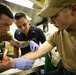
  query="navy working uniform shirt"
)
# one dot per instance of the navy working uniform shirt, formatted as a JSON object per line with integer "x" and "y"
{"x": 34, "y": 33}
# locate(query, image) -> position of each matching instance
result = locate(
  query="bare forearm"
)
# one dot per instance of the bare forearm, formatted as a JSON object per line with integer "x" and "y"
{"x": 30, "y": 56}
{"x": 20, "y": 44}
{"x": 23, "y": 44}
{"x": 43, "y": 49}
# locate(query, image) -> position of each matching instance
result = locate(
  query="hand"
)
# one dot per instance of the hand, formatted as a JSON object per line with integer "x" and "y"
{"x": 23, "y": 63}
{"x": 5, "y": 59}
{"x": 0, "y": 61}
{"x": 33, "y": 46}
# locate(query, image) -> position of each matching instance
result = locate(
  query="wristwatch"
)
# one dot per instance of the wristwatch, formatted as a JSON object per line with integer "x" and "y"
{"x": 1, "y": 54}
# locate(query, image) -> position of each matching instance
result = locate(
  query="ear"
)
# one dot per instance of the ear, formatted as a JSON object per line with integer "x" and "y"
{"x": 73, "y": 8}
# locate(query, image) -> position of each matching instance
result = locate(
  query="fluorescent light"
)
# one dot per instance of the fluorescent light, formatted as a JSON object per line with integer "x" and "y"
{"x": 25, "y": 3}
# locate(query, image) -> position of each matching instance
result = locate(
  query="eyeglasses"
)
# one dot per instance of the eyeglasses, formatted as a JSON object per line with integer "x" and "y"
{"x": 3, "y": 23}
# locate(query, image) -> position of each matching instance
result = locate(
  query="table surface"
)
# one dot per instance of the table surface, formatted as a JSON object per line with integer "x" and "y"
{"x": 39, "y": 64}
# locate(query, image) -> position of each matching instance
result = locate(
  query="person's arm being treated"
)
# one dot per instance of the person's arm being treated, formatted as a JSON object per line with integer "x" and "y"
{"x": 42, "y": 50}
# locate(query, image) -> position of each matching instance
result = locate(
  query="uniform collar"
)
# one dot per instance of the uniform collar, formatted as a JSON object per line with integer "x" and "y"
{"x": 31, "y": 29}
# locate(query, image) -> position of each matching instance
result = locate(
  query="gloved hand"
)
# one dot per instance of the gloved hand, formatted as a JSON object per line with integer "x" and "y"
{"x": 23, "y": 63}
{"x": 33, "y": 46}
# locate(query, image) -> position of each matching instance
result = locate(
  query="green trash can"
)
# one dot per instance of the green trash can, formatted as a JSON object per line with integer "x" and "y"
{"x": 48, "y": 65}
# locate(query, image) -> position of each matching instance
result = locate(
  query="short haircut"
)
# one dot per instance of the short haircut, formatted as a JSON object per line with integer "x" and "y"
{"x": 20, "y": 15}
{"x": 4, "y": 9}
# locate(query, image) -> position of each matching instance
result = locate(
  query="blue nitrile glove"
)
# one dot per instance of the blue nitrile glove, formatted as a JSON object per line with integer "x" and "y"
{"x": 33, "y": 46}
{"x": 23, "y": 63}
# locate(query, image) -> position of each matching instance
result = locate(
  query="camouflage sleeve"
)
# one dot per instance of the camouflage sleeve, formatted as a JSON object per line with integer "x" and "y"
{"x": 8, "y": 37}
